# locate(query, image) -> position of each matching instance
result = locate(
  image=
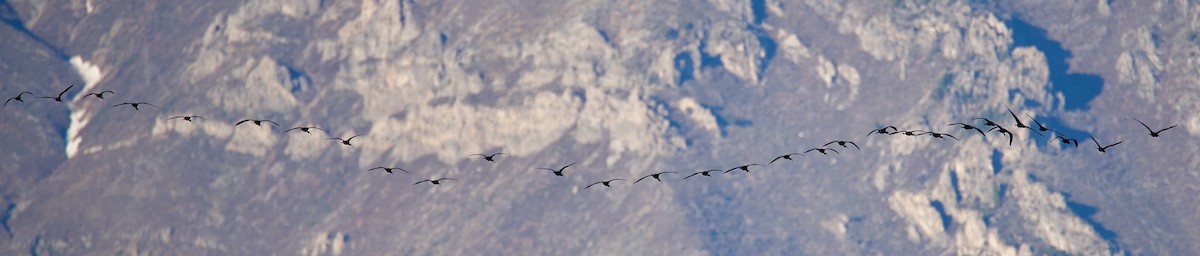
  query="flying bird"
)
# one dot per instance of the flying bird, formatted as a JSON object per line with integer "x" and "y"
{"x": 703, "y": 173}
{"x": 987, "y": 122}
{"x": 18, "y": 98}
{"x": 842, "y": 143}
{"x": 939, "y": 135}
{"x": 99, "y": 95}
{"x": 969, "y": 127}
{"x": 1041, "y": 128}
{"x": 883, "y": 130}
{"x": 559, "y": 172}
{"x": 1001, "y": 130}
{"x": 256, "y": 122}
{"x": 388, "y": 170}
{"x": 489, "y": 158}
{"x": 186, "y": 118}
{"x": 305, "y": 129}
{"x": 134, "y": 104}
{"x": 434, "y": 182}
{"x": 822, "y": 150}
{"x": 655, "y": 176}
{"x": 1066, "y": 140}
{"x": 346, "y": 141}
{"x": 59, "y": 97}
{"x": 744, "y": 168}
{"x": 788, "y": 157}
{"x": 1153, "y": 133}
{"x": 1104, "y": 148}
{"x": 605, "y": 183}
{"x": 1019, "y": 124}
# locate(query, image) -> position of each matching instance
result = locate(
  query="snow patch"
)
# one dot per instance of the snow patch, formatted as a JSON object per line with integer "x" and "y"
{"x": 91, "y": 75}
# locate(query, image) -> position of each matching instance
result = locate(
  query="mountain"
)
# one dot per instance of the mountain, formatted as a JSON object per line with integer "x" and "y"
{"x": 621, "y": 89}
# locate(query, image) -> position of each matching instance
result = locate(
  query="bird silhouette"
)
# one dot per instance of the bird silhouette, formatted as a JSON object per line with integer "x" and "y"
{"x": 1066, "y": 140}
{"x": 655, "y": 176}
{"x": 1022, "y": 125}
{"x": 489, "y": 158}
{"x": 822, "y": 150}
{"x": 939, "y": 135}
{"x": 387, "y": 169}
{"x": 1040, "y": 127}
{"x": 744, "y": 168}
{"x": 99, "y": 95}
{"x": 433, "y": 181}
{"x": 186, "y": 118}
{"x": 18, "y": 98}
{"x": 788, "y": 157}
{"x": 256, "y": 122}
{"x": 883, "y": 130}
{"x": 969, "y": 127}
{"x": 134, "y": 104}
{"x": 1104, "y": 148}
{"x": 305, "y": 129}
{"x": 1001, "y": 130}
{"x": 605, "y": 183}
{"x": 703, "y": 173}
{"x": 1153, "y": 133}
{"x": 346, "y": 141}
{"x": 987, "y": 122}
{"x": 59, "y": 97}
{"x": 558, "y": 172}
{"x": 842, "y": 143}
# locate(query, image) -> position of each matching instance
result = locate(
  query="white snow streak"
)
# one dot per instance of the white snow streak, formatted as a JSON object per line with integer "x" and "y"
{"x": 91, "y": 75}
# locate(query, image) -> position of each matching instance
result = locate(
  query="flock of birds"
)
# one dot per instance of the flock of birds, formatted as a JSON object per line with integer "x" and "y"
{"x": 826, "y": 149}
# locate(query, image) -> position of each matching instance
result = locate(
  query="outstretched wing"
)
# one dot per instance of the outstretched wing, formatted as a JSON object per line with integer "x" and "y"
{"x": 1114, "y": 144}
{"x": 951, "y": 136}
{"x": 1143, "y": 124}
{"x": 777, "y": 158}
{"x": 65, "y": 91}
{"x": 642, "y": 178}
{"x": 834, "y": 151}
{"x": 855, "y": 145}
{"x": 1164, "y": 129}
{"x": 689, "y": 176}
{"x": 272, "y": 122}
{"x": 243, "y": 121}
{"x": 593, "y": 184}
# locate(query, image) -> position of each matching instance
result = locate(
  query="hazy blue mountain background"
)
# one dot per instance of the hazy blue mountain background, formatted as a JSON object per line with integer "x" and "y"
{"x": 622, "y": 89}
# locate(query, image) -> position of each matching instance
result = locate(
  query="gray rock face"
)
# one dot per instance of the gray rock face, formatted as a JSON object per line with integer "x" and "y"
{"x": 621, "y": 88}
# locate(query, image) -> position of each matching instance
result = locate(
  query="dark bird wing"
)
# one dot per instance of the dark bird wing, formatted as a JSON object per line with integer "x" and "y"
{"x": 834, "y": 151}
{"x": 855, "y": 145}
{"x": 9, "y": 99}
{"x": 1168, "y": 128}
{"x": 980, "y": 131}
{"x": 243, "y": 121}
{"x": 269, "y": 121}
{"x": 827, "y": 144}
{"x": 1143, "y": 124}
{"x": 565, "y": 167}
{"x": 65, "y": 91}
{"x": 642, "y": 178}
{"x": 689, "y": 176}
{"x": 810, "y": 150}
{"x": 1094, "y": 140}
{"x": 1114, "y": 144}
{"x": 446, "y": 179}
{"x": 296, "y": 128}
{"x": 376, "y": 168}
{"x": 126, "y": 103}
{"x": 423, "y": 181}
{"x": 593, "y": 184}
{"x": 951, "y": 136}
